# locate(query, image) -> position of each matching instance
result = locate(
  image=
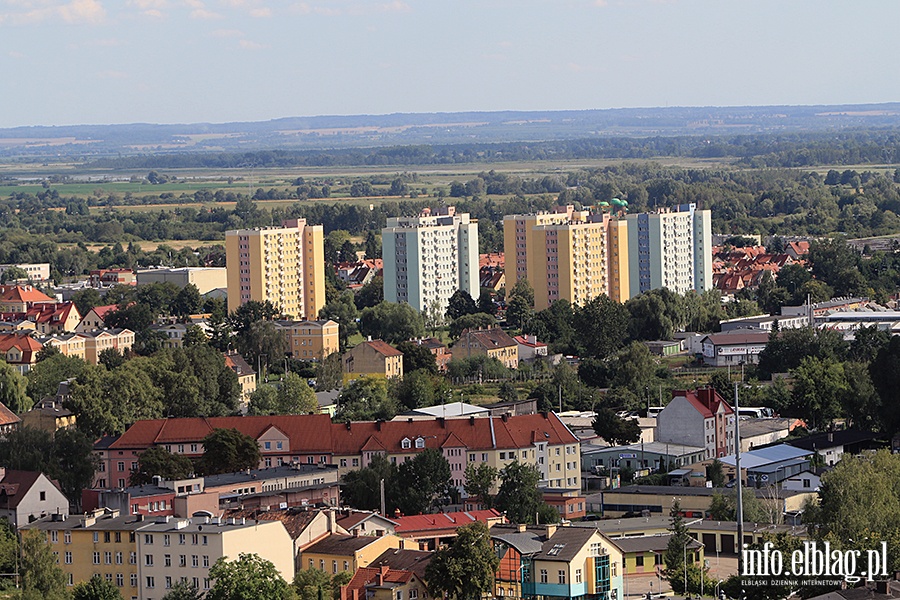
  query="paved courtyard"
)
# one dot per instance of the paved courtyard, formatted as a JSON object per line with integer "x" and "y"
{"x": 719, "y": 568}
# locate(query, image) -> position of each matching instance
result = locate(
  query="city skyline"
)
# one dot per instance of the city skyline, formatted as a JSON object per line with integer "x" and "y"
{"x": 183, "y": 61}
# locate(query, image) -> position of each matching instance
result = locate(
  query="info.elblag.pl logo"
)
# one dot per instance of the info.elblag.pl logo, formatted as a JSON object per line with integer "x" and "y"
{"x": 814, "y": 561}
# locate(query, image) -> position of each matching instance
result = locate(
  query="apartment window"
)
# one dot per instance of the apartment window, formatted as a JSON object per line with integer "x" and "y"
{"x": 107, "y": 558}
{"x": 54, "y": 536}
{"x": 106, "y": 537}
{"x": 413, "y": 594}
{"x": 167, "y": 540}
{"x": 120, "y": 580}
{"x": 577, "y": 575}
{"x": 182, "y": 539}
{"x": 206, "y": 584}
{"x": 639, "y": 560}
{"x": 543, "y": 575}
{"x": 96, "y": 558}
{"x": 132, "y": 559}
{"x": 121, "y": 465}
{"x": 194, "y": 539}
{"x": 133, "y": 580}
{"x": 167, "y": 560}
{"x": 67, "y": 537}
{"x": 334, "y": 567}
{"x": 118, "y": 537}
{"x": 562, "y": 577}
{"x": 195, "y": 561}
{"x": 203, "y": 540}
{"x": 68, "y": 558}
{"x": 346, "y": 566}
{"x": 182, "y": 560}
{"x": 148, "y": 560}
{"x": 96, "y": 537}
{"x": 311, "y": 563}
{"x": 150, "y": 582}
{"x": 108, "y": 577}
{"x": 205, "y": 561}
{"x": 71, "y": 581}
{"x": 355, "y": 462}
{"x": 168, "y": 582}
{"x": 322, "y": 564}
{"x": 148, "y": 539}
{"x": 343, "y": 462}
{"x": 268, "y": 445}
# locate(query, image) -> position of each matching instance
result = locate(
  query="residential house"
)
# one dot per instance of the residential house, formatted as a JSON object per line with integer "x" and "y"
{"x": 48, "y": 415}
{"x": 359, "y": 273}
{"x": 384, "y": 583}
{"x": 362, "y": 522}
{"x": 26, "y": 496}
{"x": 34, "y": 271}
{"x": 643, "y": 555}
{"x": 561, "y": 562}
{"x": 804, "y": 481}
{"x": 762, "y": 467}
{"x": 442, "y": 355}
{"x": 649, "y": 455}
{"x": 339, "y": 553}
{"x": 310, "y": 340}
{"x": 19, "y": 298}
{"x": 529, "y": 347}
{"x": 19, "y": 350}
{"x": 174, "y": 333}
{"x": 698, "y": 418}
{"x": 373, "y": 358}
{"x": 832, "y": 445}
{"x": 203, "y": 278}
{"x": 17, "y": 324}
{"x": 48, "y": 317}
{"x": 245, "y": 373}
{"x": 68, "y": 344}
{"x": 493, "y": 342}
{"x": 797, "y": 250}
{"x": 9, "y": 421}
{"x": 94, "y": 319}
{"x": 95, "y": 342}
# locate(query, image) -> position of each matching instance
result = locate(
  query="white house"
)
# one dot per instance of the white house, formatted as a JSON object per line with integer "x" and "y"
{"x": 699, "y": 418}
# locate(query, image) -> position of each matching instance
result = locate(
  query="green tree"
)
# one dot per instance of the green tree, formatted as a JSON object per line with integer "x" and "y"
{"x": 184, "y": 590}
{"x": 370, "y": 294}
{"x": 601, "y": 326}
{"x": 614, "y": 429}
{"x": 86, "y": 299}
{"x": 474, "y": 321}
{"x": 159, "y": 461}
{"x": 96, "y": 588}
{"x": 786, "y": 349}
{"x": 715, "y": 473}
{"x": 42, "y": 579}
{"x": 13, "y": 273}
{"x": 187, "y": 301}
{"x": 415, "y": 390}
{"x": 250, "y": 312}
{"x": 485, "y": 303}
{"x": 417, "y": 356}
{"x": 373, "y": 245}
{"x": 361, "y": 488}
{"x": 819, "y": 389}
{"x": 342, "y": 311}
{"x": 723, "y": 506}
{"x": 480, "y": 480}
{"x": 508, "y": 392}
{"x": 227, "y": 451}
{"x": 329, "y": 372}
{"x": 424, "y": 482}
{"x": 13, "y": 389}
{"x": 460, "y": 303}
{"x": 391, "y": 322}
{"x": 312, "y": 584}
{"x": 519, "y": 496}
{"x": 520, "y": 304}
{"x": 262, "y": 343}
{"x": 44, "y": 377}
{"x": 465, "y": 569}
{"x": 247, "y": 578}
{"x": 365, "y": 399}
{"x": 194, "y": 336}
{"x": 655, "y": 315}
{"x": 292, "y": 397}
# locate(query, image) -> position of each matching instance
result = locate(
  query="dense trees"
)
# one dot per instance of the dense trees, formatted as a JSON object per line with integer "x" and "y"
{"x": 292, "y": 397}
{"x": 519, "y": 496}
{"x": 465, "y": 569}
{"x": 159, "y": 461}
{"x": 420, "y": 485}
{"x": 249, "y": 577}
{"x": 614, "y": 429}
{"x": 227, "y": 451}
{"x": 391, "y": 322}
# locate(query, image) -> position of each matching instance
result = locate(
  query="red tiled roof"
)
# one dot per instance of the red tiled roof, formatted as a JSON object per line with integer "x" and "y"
{"x": 7, "y": 417}
{"x": 101, "y": 311}
{"x": 24, "y": 342}
{"x": 705, "y": 400}
{"x": 441, "y": 521}
{"x": 493, "y": 259}
{"x": 24, "y": 293}
{"x": 489, "y": 338}
{"x": 523, "y": 340}
{"x": 383, "y": 348}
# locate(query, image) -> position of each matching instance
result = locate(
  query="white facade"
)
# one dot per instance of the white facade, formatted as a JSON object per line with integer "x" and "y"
{"x": 671, "y": 249}
{"x": 427, "y": 258}
{"x": 698, "y": 418}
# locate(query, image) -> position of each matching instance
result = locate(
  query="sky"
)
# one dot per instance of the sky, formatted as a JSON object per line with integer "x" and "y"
{"x": 66, "y": 62}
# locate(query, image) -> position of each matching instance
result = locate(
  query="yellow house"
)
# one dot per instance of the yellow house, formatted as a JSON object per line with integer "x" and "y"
{"x": 494, "y": 342}
{"x": 48, "y": 415}
{"x": 374, "y": 358}
{"x": 310, "y": 340}
{"x": 339, "y": 553}
{"x": 245, "y": 374}
{"x": 384, "y": 583}
{"x": 96, "y": 342}
{"x": 100, "y": 542}
{"x": 642, "y": 555}
{"x": 68, "y": 344}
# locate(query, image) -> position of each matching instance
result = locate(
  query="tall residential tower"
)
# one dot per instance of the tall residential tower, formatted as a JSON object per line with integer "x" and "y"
{"x": 427, "y": 258}
{"x": 671, "y": 249}
{"x": 284, "y": 265}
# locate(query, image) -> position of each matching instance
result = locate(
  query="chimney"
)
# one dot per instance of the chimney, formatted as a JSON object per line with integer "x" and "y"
{"x": 472, "y": 420}
{"x": 521, "y": 527}
{"x": 330, "y": 518}
{"x": 505, "y": 417}
{"x": 440, "y": 421}
{"x": 2, "y": 473}
{"x": 550, "y": 530}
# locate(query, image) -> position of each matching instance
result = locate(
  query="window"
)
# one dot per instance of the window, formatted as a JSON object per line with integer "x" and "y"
{"x": 119, "y": 558}
{"x": 346, "y": 566}
{"x": 268, "y": 445}
{"x": 167, "y": 560}
{"x": 577, "y": 575}
{"x": 343, "y": 462}
{"x": 321, "y": 564}
{"x": 108, "y": 577}
{"x": 806, "y": 483}
{"x": 167, "y": 539}
{"x": 181, "y": 538}
{"x": 639, "y": 560}
{"x": 68, "y": 558}
{"x": 168, "y": 582}
{"x": 120, "y": 579}
{"x": 148, "y": 539}
{"x": 195, "y": 561}
{"x": 334, "y": 567}
{"x": 107, "y": 558}
{"x": 399, "y": 594}
{"x": 657, "y": 559}
{"x": 118, "y": 537}
{"x": 543, "y": 575}
{"x": 205, "y": 561}
{"x": 194, "y": 539}
{"x": 96, "y": 558}
{"x": 54, "y": 536}
{"x": 405, "y": 443}
{"x": 148, "y": 560}
{"x": 121, "y": 465}
{"x": 96, "y": 537}
{"x": 355, "y": 462}
{"x": 132, "y": 559}
{"x": 133, "y": 580}
{"x": 420, "y": 442}
{"x": 67, "y": 537}
{"x": 562, "y": 577}
{"x": 206, "y": 584}
{"x": 150, "y": 582}
{"x": 106, "y": 537}
{"x": 311, "y": 563}
{"x": 413, "y": 594}
{"x": 203, "y": 540}
{"x": 71, "y": 580}
{"x": 182, "y": 560}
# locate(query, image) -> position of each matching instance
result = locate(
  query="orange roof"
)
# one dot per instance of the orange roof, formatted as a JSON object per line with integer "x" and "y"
{"x": 7, "y": 417}
{"x": 24, "y": 293}
{"x": 493, "y": 260}
{"x": 24, "y": 342}
{"x": 705, "y": 400}
{"x": 101, "y": 311}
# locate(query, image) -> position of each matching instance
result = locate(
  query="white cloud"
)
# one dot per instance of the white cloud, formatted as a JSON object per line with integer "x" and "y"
{"x": 251, "y": 45}
{"x": 340, "y": 8}
{"x": 204, "y": 14}
{"x": 601, "y": 3}
{"x": 262, "y": 11}
{"x": 23, "y": 12}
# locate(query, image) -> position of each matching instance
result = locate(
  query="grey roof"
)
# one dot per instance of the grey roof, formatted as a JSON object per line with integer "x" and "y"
{"x": 671, "y": 492}
{"x": 654, "y": 447}
{"x": 400, "y": 559}
{"x": 648, "y": 543}
{"x": 104, "y": 523}
{"x": 764, "y": 456}
{"x": 196, "y": 525}
{"x": 451, "y": 409}
{"x": 819, "y": 441}
{"x": 342, "y": 545}
{"x": 612, "y": 526}
{"x": 753, "y": 427}
{"x": 258, "y": 475}
{"x": 527, "y": 542}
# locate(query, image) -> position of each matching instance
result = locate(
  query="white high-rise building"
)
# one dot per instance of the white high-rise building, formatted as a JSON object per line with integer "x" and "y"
{"x": 671, "y": 249}
{"x": 427, "y": 258}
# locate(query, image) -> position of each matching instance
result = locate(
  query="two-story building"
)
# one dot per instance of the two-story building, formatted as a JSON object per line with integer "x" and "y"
{"x": 493, "y": 342}
{"x": 373, "y": 358}
{"x": 339, "y": 553}
{"x": 310, "y": 340}
{"x": 26, "y": 496}
{"x": 19, "y": 350}
{"x": 95, "y": 342}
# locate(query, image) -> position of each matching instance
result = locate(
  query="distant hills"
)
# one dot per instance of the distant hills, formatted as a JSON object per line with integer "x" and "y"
{"x": 326, "y": 133}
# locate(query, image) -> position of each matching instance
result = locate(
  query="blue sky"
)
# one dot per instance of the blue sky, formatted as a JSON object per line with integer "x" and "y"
{"x": 175, "y": 61}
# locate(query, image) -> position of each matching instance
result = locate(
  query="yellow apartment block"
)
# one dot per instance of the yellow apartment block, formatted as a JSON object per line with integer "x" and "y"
{"x": 373, "y": 358}
{"x": 339, "y": 553}
{"x": 567, "y": 254}
{"x": 98, "y": 543}
{"x": 283, "y": 265}
{"x": 310, "y": 340}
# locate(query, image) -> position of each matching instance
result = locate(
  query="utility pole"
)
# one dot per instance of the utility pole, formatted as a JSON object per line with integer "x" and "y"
{"x": 383, "y": 509}
{"x": 739, "y": 486}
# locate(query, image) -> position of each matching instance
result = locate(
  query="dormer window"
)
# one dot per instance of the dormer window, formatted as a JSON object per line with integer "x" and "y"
{"x": 420, "y": 442}
{"x": 406, "y": 444}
